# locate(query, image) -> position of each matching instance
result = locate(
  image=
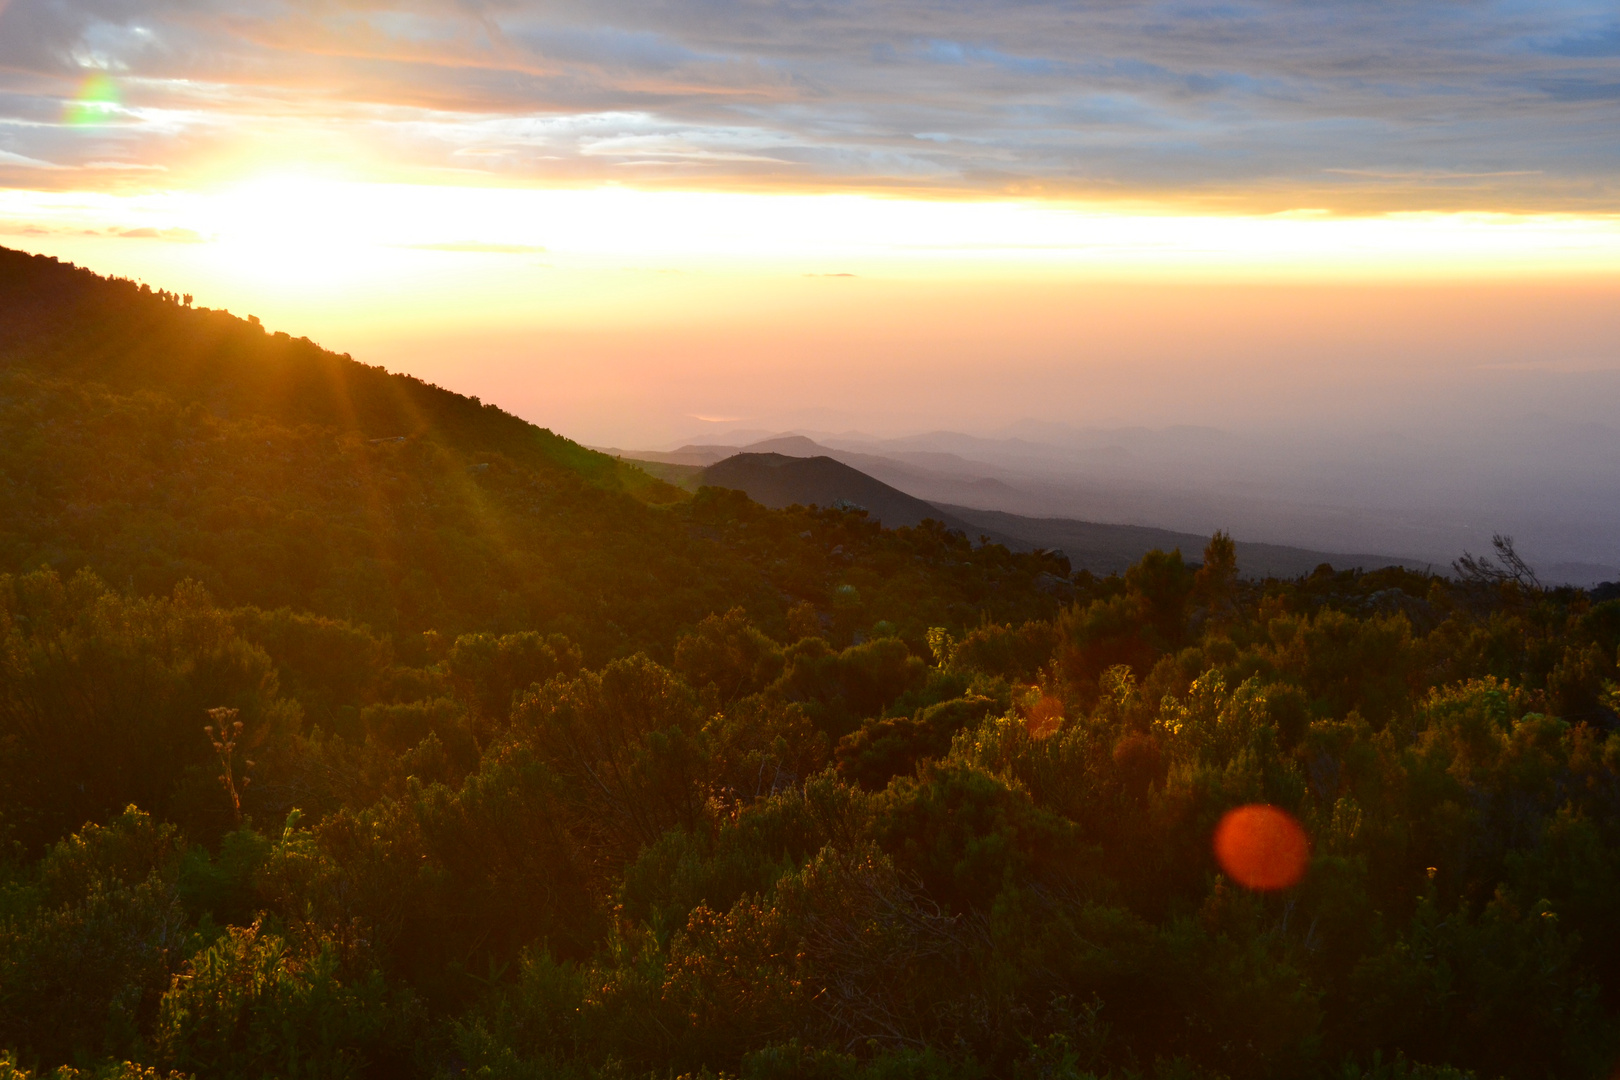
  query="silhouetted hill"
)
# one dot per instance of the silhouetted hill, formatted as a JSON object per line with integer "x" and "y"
{"x": 777, "y": 480}
{"x": 151, "y": 442}
{"x": 65, "y": 322}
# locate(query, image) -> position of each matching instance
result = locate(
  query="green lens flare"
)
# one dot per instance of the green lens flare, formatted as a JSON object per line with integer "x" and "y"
{"x": 96, "y": 104}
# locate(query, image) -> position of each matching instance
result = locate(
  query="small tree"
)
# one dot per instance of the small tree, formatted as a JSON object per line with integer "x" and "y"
{"x": 1216, "y": 576}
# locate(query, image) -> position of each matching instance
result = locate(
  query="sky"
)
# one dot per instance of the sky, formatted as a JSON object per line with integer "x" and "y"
{"x": 1264, "y": 105}
{"x": 634, "y": 221}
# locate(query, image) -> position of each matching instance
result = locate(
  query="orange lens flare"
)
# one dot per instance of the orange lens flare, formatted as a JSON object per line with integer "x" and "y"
{"x": 1262, "y": 847}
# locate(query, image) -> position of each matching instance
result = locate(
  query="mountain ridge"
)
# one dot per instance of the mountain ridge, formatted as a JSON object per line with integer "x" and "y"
{"x": 1102, "y": 548}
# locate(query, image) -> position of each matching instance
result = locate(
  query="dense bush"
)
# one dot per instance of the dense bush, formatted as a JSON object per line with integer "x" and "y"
{"x": 632, "y": 868}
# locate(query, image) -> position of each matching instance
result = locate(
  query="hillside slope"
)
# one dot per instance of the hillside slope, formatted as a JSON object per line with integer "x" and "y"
{"x": 65, "y": 322}
{"x": 152, "y": 443}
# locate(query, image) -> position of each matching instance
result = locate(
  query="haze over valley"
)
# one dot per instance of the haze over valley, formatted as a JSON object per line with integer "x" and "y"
{"x": 1422, "y": 498}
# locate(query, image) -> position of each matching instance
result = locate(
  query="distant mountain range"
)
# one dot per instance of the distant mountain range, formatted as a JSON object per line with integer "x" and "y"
{"x": 1421, "y": 494}
{"x": 1105, "y": 549}
{"x": 797, "y": 470}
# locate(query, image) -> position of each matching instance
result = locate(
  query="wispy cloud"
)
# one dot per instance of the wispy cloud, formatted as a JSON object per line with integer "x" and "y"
{"x": 24, "y": 162}
{"x": 173, "y": 235}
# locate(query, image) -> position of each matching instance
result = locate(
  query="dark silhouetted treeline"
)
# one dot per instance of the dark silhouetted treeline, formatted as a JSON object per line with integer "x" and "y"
{"x": 475, "y": 754}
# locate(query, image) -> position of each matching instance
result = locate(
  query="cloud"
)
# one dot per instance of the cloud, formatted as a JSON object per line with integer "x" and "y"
{"x": 1432, "y": 175}
{"x": 1275, "y": 101}
{"x": 173, "y": 235}
{"x": 25, "y": 162}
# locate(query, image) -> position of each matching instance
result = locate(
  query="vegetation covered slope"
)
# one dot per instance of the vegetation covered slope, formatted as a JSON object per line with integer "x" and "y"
{"x": 154, "y": 443}
{"x": 798, "y": 797}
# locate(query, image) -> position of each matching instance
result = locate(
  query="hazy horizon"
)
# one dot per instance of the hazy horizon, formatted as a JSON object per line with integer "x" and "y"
{"x": 1424, "y": 502}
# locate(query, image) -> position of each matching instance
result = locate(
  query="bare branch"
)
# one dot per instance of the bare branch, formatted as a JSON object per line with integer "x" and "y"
{"x": 1509, "y": 566}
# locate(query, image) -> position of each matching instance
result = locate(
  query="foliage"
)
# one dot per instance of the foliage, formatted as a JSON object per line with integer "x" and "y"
{"x": 247, "y": 1006}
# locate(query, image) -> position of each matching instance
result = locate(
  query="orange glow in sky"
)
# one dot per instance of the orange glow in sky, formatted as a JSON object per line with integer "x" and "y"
{"x": 336, "y": 257}
{"x": 612, "y": 313}
{"x": 280, "y": 228}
